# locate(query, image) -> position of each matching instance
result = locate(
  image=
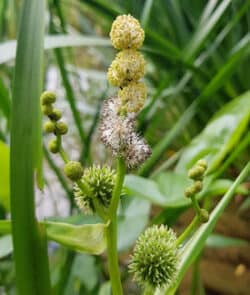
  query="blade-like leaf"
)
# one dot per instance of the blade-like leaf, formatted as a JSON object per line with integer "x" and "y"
{"x": 4, "y": 178}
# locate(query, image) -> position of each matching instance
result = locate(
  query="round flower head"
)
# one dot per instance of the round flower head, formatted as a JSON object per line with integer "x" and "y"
{"x": 129, "y": 65}
{"x": 73, "y": 170}
{"x": 126, "y": 32}
{"x": 98, "y": 183}
{"x": 155, "y": 258}
{"x": 133, "y": 96}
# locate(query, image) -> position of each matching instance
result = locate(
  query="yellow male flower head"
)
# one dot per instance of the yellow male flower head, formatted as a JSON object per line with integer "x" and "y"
{"x": 126, "y": 33}
{"x": 129, "y": 65}
{"x": 133, "y": 96}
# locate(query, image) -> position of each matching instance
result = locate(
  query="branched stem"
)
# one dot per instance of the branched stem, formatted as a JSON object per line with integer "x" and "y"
{"x": 188, "y": 231}
{"x": 113, "y": 262}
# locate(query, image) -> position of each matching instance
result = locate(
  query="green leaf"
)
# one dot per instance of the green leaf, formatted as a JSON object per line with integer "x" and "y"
{"x": 220, "y": 241}
{"x": 6, "y": 246}
{"x": 87, "y": 238}
{"x": 220, "y": 135}
{"x": 4, "y": 179}
{"x": 193, "y": 247}
{"x": 8, "y": 49}
{"x": 5, "y": 226}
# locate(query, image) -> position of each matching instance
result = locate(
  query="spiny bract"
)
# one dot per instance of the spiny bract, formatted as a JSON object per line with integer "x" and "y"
{"x": 155, "y": 258}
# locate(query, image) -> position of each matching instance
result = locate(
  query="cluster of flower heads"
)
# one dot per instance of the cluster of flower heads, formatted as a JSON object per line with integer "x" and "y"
{"x": 53, "y": 125}
{"x": 119, "y": 113}
{"x": 155, "y": 258}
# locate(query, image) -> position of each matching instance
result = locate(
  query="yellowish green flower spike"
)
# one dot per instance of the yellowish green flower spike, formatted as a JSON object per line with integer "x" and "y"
{"x": 53, "y": 146}
{"x": 99, "y": 183}
{"x": 55, "y": 115}
{"x": 47, "y": 98}
{"x": 49, "y": 127}
{"x": 73, "y": 170}
{"x": 129, "y": 65}
{"x": 47, "y": 109}
{"x": 155, "y": 258}
{"x": 126, "y": 32}
{"x": 133, "y": 96}
{"x": 61, "y": 128}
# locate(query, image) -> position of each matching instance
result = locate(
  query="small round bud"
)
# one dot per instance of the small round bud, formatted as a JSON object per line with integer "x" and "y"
{"x": 133, "y": 96}
{"x": 202, "y": 163}
{"x": 155, "y": 258}
{"x": 48, "y": 98}
{"x": 53, "y": 146}
{"x": 73, "y": 170}
{"x": 196, "y": 173}
{"x": 189, "y": 192}
{"x": 49, "y": 127}
{"x": 61, "y": 128}
{"x": 194, "y": 189}
{"x": 203, "y": 216}
{"x": 47, "y": 109}
{"x": 129, "y": 65}
{"x": 100, "y": 181}
{"x": 126, "y": 32}
{"x": 55, "y": 115}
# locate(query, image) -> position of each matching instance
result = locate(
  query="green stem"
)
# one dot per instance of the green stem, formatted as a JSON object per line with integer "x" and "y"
{"x": 196, "y": 205}
{"x": 188, "y": 231}
{"x": 113, "y": 262}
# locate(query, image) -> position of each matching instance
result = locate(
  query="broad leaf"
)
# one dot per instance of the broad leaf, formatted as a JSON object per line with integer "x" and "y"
{"x": 220, "y": 241}
{"x": 6, "y": 246}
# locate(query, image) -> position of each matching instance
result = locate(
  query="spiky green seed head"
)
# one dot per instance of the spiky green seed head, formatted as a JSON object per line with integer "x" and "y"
{"x": 55, "y": 115}
{"x": 61, "y": 128}
{"x": 100, "y": 183}
{"x": 129, "y": 65}
{"x": 133, "y": 96}
{"x": 53, "y": 146}
{"x": 47, "y": 109}
{"x": 203, "y": 216}
{"x": 49, "y": 127}
{"x": 155, "y": 258}
{"x": 73, "y": 170}
{"x": 47, "y": 98}
{"x": 126, "y": 33}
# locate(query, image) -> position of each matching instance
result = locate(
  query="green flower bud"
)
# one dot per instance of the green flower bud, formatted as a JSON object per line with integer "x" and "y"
{"x": 129, "y": 65}
{"x": 47, "y": 98}
{"x": 55, "y": 115}
{"x": 194, "y": 189}
{"x": 61, "y": 128}
{"x": 53, "y": 146}
{"x": 133, "y": 96}
{"x": 202, "y": 163}
{"x": 73, "y": 170}
{"x": 196, "y": 173}
{"x": 155, "y": 258}
{"x": 126, "y": 32}
{"x": 203, "y": 216}
{"x": 47, "y": 109}
{"x": 100, "y": 183}
{"x": 49, "y": 127}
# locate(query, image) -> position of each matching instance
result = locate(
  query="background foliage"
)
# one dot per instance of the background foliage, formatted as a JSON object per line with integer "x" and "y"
{"x": 198, "y": 106}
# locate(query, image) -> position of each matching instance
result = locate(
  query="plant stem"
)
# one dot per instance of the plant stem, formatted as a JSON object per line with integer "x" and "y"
{"x": 113, "y": 262}
{"x": 187, "y": 232}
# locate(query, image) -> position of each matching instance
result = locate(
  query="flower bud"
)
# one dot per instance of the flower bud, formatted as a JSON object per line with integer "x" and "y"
{"x": 133, "y": 96}
{"x": 129, "y": 65}
{"x": 49, "y": 127}
{"x": 202, "y": 163}
{"x": 55, "y": 115}
{"x": 47, "y": 98}
{"x": 126, "y": 32}
{"x": 47, "y": 109}
{"x": 61, "y": 128}
{"x": 73, "y": 170}
{"x": 53, "y": 146}
{"x": 155, "y": 258}
{"x": 194, "y": 189}
{"x": 196, "y": 173}
{"x": 203, "y": 216}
